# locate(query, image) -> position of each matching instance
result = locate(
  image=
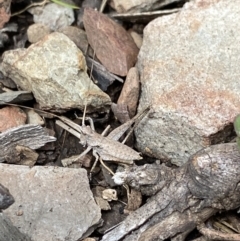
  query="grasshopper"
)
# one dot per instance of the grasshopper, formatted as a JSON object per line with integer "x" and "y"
{"x": 105, "y": 148}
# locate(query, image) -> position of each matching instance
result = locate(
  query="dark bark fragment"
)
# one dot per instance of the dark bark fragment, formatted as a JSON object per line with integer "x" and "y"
{"x": 186, "y": 197}
{"x": 30, "y": 136}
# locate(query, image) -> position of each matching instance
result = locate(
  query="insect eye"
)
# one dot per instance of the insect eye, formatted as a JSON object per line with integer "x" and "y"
{"x": 132, "y": 183}
{"x": 83, "y": 142}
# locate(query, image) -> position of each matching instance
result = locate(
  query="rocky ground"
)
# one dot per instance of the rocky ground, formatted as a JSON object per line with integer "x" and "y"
{"x": 173, "y": 62}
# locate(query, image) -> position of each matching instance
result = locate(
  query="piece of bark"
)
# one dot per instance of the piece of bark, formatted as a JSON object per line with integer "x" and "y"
{"x": 94, "y": 4}
{"x": 127, "y": 102}
{"x": 123, "y": 6}
{"x": 207, "y": 183}
{"x": 120, "y": 112}
{"x": 130, "y": 91}
{"x": 112, "y": 44}
{"x": 142, "y": 17}
{"x": 212, "y": 234}
{"x": 31, "y": 136}
{"x": 134, "y": 201}
{"x": 176, "y": 223}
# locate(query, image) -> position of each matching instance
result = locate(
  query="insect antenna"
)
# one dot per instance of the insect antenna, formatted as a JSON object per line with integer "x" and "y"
{"x": 85, "y": 104}
{"x": 91, "y": 72}
{"x": 84, "y": 115}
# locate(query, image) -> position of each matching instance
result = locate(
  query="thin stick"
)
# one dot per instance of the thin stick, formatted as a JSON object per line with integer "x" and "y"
{"x": 29, "y": 6}
{"x": 103, "y": 5}
{"x": 31, "y": 108}
{"x": 69, "y": 129}
{"x": 84, "y": 115}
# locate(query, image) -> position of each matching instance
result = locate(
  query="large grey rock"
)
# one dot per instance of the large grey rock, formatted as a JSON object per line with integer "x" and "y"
{"x": 51, "y": 203}
{"x": 189, "y": 67}
{"x": 8, "y": 232}
{"x": 55, "y": 70}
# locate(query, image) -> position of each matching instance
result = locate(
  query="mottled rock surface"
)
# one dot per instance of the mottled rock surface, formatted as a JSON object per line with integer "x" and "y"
{"x": 189, "y": 73}
{"x": 37, "y": 31}
{"x": 55, "y": 70}
{"x": 113, "y": 45}
{"x": 4, "y": 12}
{"x": 51, "y": 203}
{"x": 77, "y": 35}
{"x": 11, "y": 116}
{"x": 10, "y": 233}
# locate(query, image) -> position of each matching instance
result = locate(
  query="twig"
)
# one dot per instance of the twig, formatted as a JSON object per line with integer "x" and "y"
{"x": 216, "y": 235}
{"x": 29, "y": 6}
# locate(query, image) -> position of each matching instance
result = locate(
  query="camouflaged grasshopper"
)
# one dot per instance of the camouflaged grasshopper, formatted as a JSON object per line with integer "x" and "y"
{"x": 105, "y": 148}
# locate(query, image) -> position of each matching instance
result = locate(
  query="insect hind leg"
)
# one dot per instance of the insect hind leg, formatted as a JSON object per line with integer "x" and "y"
{"x": 101, "y": 161}
{"x": 68, "y": 162}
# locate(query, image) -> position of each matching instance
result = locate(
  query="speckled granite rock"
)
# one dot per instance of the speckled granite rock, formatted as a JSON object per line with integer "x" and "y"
{"x": 189, "y": 72}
